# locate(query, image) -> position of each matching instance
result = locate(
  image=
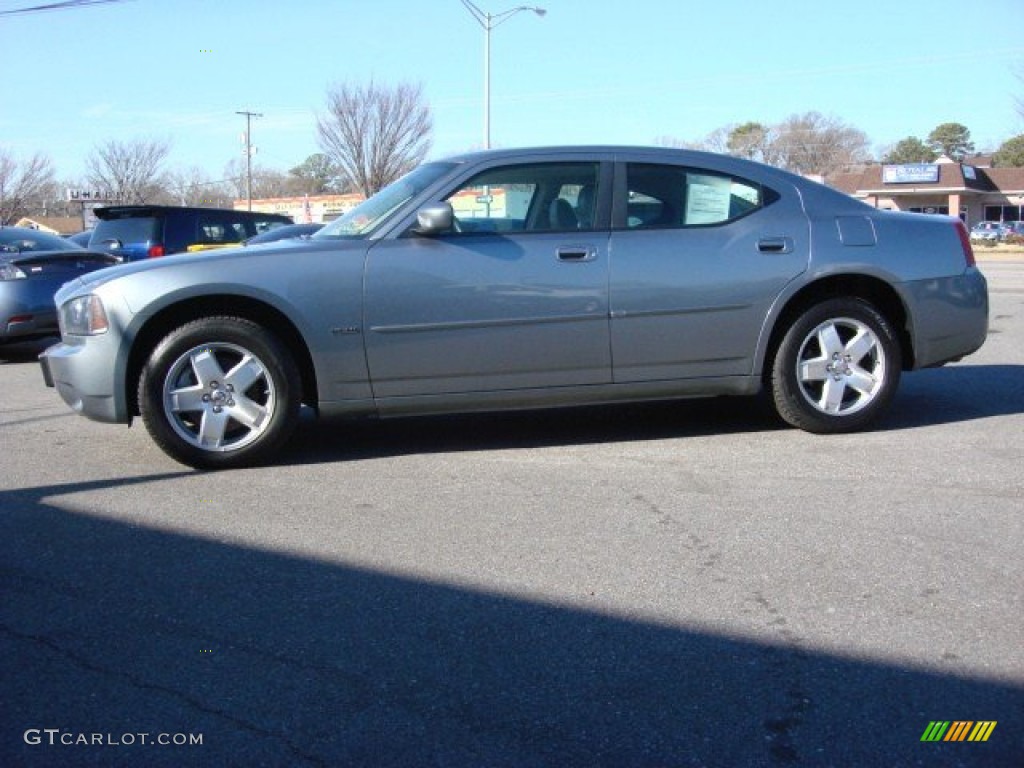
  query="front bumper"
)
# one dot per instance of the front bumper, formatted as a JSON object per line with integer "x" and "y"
{"x": 84, "y": 373}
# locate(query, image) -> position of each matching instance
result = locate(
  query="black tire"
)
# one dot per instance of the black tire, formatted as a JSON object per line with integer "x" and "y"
{"x": 836, "y": 368}
{"x": 207, "y": 409}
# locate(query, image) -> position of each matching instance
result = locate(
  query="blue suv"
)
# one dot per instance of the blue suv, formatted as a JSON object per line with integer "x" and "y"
{"x": 136, "y": 232}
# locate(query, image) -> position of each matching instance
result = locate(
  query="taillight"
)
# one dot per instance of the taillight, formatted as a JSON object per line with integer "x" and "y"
{"x": 965, "y": 242}
{"x": 155, "y": 251}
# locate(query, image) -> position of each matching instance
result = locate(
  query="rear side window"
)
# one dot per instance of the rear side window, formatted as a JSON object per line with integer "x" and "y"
{"x": 217, "y": 229}
{"x": 667, "y": 196}
{"x": 125, "y": 232}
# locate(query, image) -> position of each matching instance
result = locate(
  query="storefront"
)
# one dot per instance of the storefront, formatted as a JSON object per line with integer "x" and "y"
{"x": 972, "y": 192}
{"x": 305, "y": 208}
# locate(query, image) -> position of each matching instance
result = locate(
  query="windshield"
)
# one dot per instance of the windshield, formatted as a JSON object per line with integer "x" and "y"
{"x": 369, "y": 214}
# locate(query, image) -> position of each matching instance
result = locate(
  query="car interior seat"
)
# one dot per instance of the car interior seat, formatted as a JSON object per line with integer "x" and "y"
{"x": 561, "y": 214}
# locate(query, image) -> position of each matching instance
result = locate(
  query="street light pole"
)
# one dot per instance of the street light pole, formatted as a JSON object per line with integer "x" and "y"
{"x": 489, "y": 21}
{"x": 248, "y": 154}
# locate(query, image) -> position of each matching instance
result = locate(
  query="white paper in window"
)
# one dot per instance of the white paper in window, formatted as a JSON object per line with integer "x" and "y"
{"x": 707, "y": 199}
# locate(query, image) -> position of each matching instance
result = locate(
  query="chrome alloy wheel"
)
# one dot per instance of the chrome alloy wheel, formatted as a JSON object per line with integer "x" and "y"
{"x": 219, "y": 397}
{"x": 841, "y": 367}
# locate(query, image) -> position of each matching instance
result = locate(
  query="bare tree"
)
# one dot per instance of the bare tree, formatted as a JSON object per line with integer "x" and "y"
{"x": 266, "y": 182}
{"x": 716, "y": 141}
{"x": 375, "y": 134}
{"x": 23, "y": 186}
{"x": 195, "y": 187}
{"x": 809, "y": 144}
{"x": 674, "y": 143}
{"x": 713, "y": 142}
{"x": 129, "y": 171}
{"x": 815, "y": 144}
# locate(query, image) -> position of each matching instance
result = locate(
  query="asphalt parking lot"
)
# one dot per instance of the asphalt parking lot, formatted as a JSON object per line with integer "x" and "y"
{"x": 680, "y": 584}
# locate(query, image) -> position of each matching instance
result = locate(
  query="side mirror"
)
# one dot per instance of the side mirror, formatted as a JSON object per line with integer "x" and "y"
{"x": 434, "y": 219}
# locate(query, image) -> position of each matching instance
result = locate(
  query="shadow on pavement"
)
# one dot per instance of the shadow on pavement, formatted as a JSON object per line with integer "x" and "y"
{"x": 929, "y": 397}
{"x": 280, "y": 660}
{"x": 957, "y": 393}
{"x": 333, "y": 439}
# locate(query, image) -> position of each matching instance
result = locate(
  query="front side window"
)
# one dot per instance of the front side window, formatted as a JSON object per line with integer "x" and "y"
{"x": 538, "y": 197}
{"x": 666, "y": 197}
{"x": 374, "y": 211}
{"x": 257, "y": 226}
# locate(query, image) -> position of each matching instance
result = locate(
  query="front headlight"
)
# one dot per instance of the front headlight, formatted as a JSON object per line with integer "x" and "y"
{"x": 83, "y": 316}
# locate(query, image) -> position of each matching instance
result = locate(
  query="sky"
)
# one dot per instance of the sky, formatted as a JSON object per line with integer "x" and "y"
{"x": 587, "y": 72}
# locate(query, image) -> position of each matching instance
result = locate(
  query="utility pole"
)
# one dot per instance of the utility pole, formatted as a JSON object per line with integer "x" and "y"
{"x": 248, "y": 153}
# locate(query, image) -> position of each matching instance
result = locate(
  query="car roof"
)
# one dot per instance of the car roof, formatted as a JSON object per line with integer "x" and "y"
{"x": 655, "y": 153}
{"x": 585, "y": 149}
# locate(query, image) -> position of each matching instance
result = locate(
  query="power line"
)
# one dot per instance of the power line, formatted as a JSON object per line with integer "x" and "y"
{"x": 62, "y": 6}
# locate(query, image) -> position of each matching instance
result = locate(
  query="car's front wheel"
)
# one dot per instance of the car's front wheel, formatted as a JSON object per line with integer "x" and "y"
{"x": 836, "y": 368}
{"x": 220, "y": 392}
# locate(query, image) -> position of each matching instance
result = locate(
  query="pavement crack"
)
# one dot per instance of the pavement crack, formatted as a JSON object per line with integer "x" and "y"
{"x": 786, "y": 662}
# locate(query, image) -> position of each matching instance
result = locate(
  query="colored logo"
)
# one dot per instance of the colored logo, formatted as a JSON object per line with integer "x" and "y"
{"x": 959, "y": 730}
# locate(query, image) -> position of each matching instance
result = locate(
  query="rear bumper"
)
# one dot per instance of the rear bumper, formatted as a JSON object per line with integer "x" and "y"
{"x": 29, "y": 327}
{"x": 950, "y": 317}
{"x": 27, "y": 310}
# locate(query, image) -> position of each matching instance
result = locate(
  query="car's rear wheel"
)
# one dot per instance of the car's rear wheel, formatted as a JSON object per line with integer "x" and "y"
{"x": 836, "y": 368}
{"x": 220, "y": 392}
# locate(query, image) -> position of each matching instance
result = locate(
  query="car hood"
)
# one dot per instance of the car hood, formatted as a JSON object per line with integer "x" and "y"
{"x": 211, "y": 260}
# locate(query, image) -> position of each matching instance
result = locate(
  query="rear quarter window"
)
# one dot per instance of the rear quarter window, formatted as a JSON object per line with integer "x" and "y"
{"x": 666, "y": 197}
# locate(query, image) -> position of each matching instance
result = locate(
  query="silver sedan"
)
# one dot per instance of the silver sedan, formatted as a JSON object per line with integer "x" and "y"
{"x": 533, "y": 278}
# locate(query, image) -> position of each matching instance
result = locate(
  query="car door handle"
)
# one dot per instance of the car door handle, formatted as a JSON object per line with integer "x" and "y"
{"x": 577, "y": 253}
{"x": 775, "y": 245}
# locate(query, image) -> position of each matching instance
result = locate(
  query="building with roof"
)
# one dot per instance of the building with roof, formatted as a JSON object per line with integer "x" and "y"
{"x": 305, "y": 208}
{"x": 971, "y": 190}
{"x": 55, "y": 225}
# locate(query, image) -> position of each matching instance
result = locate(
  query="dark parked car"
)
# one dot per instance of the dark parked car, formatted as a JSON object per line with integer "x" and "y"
{"x": 533, "y": 278}
{"x": 284, "y": 232}
{"x": 145, "y": 231}
{"x": 33, "y": 265}
{"x": 80, "y": 238}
